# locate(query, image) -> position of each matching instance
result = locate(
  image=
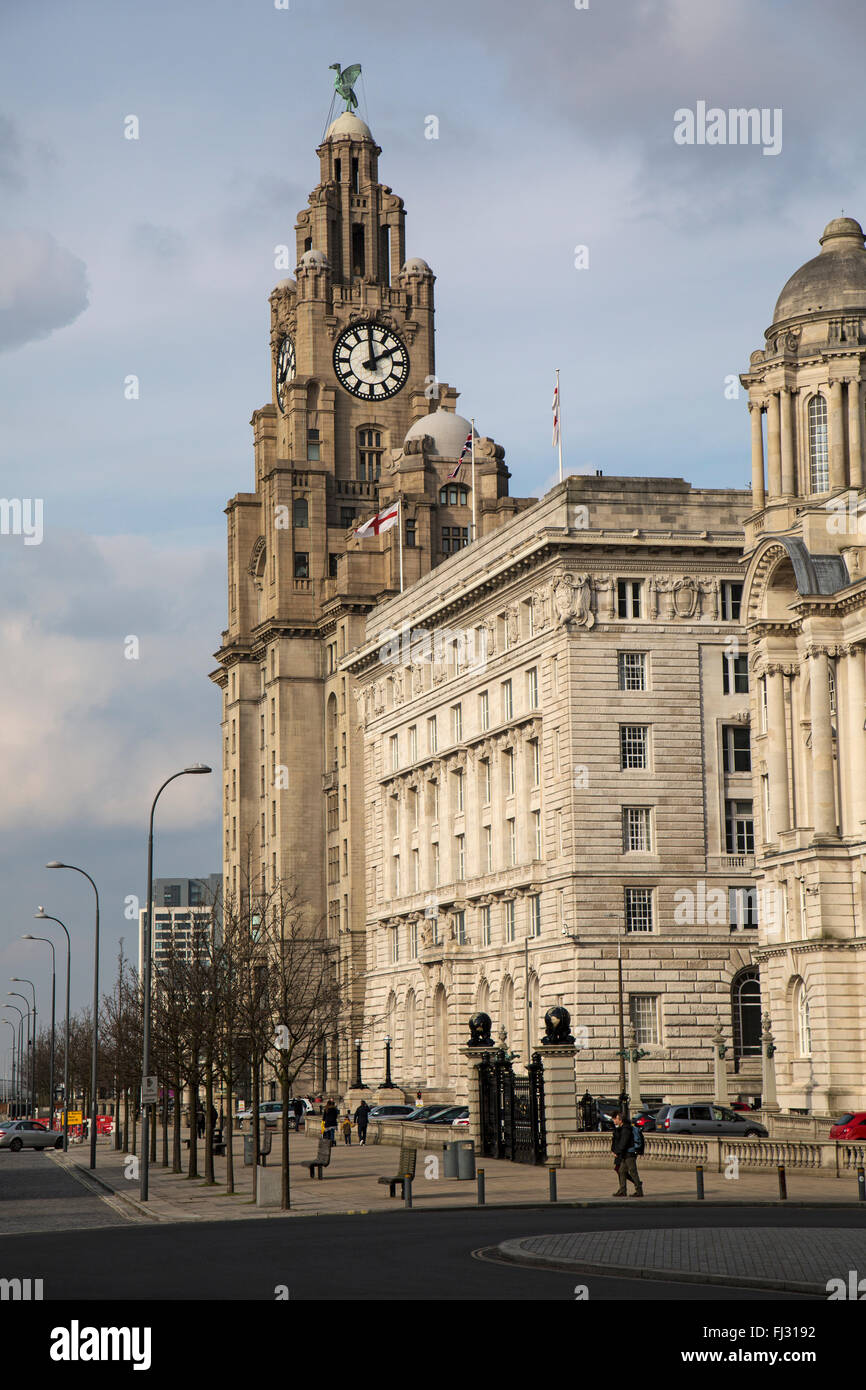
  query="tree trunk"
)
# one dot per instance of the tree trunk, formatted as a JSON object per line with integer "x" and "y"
{"x": 208, "y": 1122}
{"x": 125, "y": 1120}
{"x": 192, "y": 1166}
{"x": 175, "y": 1150}
{"x": 228, "y": 1130}
{"x": 285, "y": 1193}
{"x": 255, "y": 1125}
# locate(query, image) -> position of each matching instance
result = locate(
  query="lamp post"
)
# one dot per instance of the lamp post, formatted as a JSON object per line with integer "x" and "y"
{"x": 10, "y": 1024}
{"x": 29, "y": 937}
{"x": 387, "y": 1084}
{"x": 19, "y": 1028}
{"x": 358, "y": 1082}
{"x": 148, "y": 938}
{"x": 42, "y": 916}
{"x": 17, "y": 980}
{"x": 56, "y": 864}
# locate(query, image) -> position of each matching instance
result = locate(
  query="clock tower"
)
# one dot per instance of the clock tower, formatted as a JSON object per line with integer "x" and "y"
{"x": 357, "y": 420}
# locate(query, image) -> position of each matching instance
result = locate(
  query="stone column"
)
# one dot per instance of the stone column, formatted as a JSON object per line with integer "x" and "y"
{"x": 720, "y": 1071}
{"x": 837, "y": 438}
{"x": 774, "y": 447}
{"x": 474, "y": 1057}
{"x": 854, "y": 749}
{"x": 758, "y": 497}
{"x": 855, "y": 434}
{"x": 560, "y": 1096}
{"x": 789, "y": 472}
{"x": 769, "y": 1101}
{"x": 823, "y": 776}
{"x": 777, "y": 750}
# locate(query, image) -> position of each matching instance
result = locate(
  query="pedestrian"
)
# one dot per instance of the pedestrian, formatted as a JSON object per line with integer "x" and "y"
{"x": 298, "y": 1107}
{"x": 346, "y": 1127}
{"x": 214, "y": 1117}
{"x": 625, "y": 1145}
{"x": 330, "y": 1120}
{"x": 362, "y": 1114}
{"x": 199, "y": 1122}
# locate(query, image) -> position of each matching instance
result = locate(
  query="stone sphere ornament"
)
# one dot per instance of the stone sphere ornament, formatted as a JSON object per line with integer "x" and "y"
{"x": 557, "y": 1021}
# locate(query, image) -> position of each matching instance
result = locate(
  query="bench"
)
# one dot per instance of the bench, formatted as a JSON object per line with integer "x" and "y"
{"x": 406, "y": 1170}
{"x": 322, "y": 1159}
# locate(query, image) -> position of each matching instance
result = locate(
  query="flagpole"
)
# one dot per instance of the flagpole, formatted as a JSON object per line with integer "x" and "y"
{"x": 400, "y": 528}
{"x": 474, "y": 525}
{"x": 559, "y": 430}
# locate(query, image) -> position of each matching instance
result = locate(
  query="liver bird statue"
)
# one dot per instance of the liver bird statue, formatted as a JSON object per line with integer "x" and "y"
{"x": 344, "y": 83}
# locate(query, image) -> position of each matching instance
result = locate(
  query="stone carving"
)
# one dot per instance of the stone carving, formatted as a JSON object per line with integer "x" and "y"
{"x": 479, "y": 1031}
{"x": 540, "y": 614}
{"x": 557, "y": 1022}
{"x": 563, "y": 598}
{"x": 604, "y": 585}
{"x": 397, "y": 686}
{"x": 709, "y": 588}
{"x": 685, "y": 597}
{"x": 511, "y": 620}
{"x": 664, "y": 584}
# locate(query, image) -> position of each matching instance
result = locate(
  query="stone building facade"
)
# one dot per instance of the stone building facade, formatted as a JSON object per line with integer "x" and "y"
{"x": 805, "y": 611}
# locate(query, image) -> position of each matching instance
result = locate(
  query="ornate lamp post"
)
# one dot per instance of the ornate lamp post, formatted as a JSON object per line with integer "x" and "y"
{"x": 359, "y": 1085}
{"x": 56, "y": 864}
{"x": 388, "y": 1084}
{"x": 42, "y": 916}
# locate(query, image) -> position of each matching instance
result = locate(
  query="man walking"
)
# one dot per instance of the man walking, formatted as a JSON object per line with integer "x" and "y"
{"x": 361, "y": 1116}
{"x": 624, "y": 1149}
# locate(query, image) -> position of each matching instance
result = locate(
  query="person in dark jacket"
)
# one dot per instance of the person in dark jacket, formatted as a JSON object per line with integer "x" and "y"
{"x": 624, "y": 1161}
{"x": 362, "y": 1114}
{"x": 331, "y": 1118}
{"x": 298, "y": 1107}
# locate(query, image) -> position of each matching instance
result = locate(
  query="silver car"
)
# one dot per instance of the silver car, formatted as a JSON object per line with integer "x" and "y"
{"x": 28, "y": 1134}
{"x": 702, "y": 1117}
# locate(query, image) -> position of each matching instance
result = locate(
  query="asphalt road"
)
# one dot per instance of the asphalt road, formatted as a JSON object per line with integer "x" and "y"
{"x": 38, "y": 1195}
{"x": 400, "y": 1256}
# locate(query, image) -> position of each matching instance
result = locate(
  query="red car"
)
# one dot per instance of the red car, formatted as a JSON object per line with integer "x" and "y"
{"x": 850, "y": 1126}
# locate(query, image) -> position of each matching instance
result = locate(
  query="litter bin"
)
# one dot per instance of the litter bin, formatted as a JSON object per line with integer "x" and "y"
{"x": 465, "y": 1158}
{"x": 451, "y": 1160}
{"x": 249, "y": 1151}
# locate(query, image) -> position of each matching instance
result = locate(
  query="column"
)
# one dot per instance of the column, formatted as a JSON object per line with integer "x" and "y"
{"x": 777, "y": 750}
{"x": 789, "y": 477}
{"x": 855, "y": 434}
{"x": 837, "y": 438}
{"x": 854, "y": 752}
{"x": 823, "y": 779}
{"x": 769, "y": 1101}
{"x": 720, "y": 1071}
{"x": 758, "y": 497}
{"x": 774, "y": 447}
{"x": 560, "y": 1097}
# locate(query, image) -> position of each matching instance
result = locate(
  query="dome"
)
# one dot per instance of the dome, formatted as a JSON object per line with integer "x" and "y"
{"x": 417, "y": 266}
{"x": 447, "y": 430}
{"x": 349, "y": 127}
{"x": 314, "y": 260}
{"x": 835, "y": 280}
{"x": 287, "y": 284}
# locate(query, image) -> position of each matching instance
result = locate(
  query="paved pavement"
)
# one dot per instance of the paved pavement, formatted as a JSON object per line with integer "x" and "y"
{"x": 350, "y": 1185}
{"x": 38, "y": 1195}
{"x": 795, "y": 1259}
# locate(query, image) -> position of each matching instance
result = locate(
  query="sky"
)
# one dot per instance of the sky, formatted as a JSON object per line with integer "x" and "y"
{"x": 153, "y": 259}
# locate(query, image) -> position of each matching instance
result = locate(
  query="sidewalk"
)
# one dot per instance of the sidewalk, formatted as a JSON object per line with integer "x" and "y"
{"x": 350, "y": 1186}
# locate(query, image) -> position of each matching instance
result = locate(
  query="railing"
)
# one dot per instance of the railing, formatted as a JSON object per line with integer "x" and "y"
{"x": 826, "y": 1157}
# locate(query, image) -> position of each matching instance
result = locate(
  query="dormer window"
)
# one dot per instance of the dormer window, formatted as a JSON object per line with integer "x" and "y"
{"x": 453, "y": 495}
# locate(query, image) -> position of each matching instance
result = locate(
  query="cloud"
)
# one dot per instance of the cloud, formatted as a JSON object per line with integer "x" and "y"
{"x": 11, "y": 174}
{"x": 161, "y": 244}
{"x": 43, "y": 287}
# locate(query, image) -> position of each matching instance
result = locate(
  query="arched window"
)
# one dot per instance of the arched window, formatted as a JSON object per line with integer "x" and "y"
{"x": 301, "y": 512}
{"x": 369, "y": 454}
{"x": 453, "y": 495}
{"x": 819, "y": 465}
{"x": 802, "y": 1022}
{"x": 746, "y": 1013}
{"x": 440, "y": 1036}
{"x": 482, "y": 998}
{"x": 534, "y": 1010}
{"x": 409, "y": 1036}
{"x": 506, "y": 1009}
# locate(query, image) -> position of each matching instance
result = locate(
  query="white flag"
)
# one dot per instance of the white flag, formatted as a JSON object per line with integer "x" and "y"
{"x": 382, "y": 521}
{"x": 555, "y": 407}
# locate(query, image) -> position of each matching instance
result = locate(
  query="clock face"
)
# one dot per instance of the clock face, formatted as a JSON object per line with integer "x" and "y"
{"x": 285, "y": 369}
{"x": 370, "y": 361}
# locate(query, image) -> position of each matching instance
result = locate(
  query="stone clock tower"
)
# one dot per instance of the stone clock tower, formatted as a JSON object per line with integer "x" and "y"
{"x": 356, "y": 420}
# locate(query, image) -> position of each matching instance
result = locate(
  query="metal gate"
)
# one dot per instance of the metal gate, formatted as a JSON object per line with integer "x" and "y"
{"x": 512, "y": 1110}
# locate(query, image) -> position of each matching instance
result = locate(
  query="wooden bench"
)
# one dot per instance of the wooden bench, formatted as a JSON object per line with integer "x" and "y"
{"x": 322, "y": 1159}
{"x": 406, "y": 1170}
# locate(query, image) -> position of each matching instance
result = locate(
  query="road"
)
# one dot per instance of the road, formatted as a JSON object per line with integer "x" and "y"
{"x": 36, "y": 1195}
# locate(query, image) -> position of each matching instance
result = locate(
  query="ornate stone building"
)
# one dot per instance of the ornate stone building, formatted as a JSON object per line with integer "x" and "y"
{"x": 805, "y": 610}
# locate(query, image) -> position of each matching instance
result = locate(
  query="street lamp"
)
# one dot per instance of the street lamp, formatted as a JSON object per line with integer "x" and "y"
{"x": 56, "y": 864}
{"x": 19, "y": 1027}
{"x": 42, "y": 916}
{"x": 10, "y": 1024}
{"x": 29, "y": 937}
{"x": 359, "y": 1085}
{"x": 31, "y": 1033}
{"x": 148, "y": 937}
{"x": 387, "y": 1084}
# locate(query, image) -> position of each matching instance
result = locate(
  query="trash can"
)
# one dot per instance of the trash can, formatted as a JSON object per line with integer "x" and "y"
{"x": 465, "y": 1158}
{"x": 249, "y": 1151}
{"x": 451, "y": 1161}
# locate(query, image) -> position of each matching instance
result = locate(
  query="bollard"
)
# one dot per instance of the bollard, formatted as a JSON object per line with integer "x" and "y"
{"x": 699, "y": 1175}
{"x": 783, "y": 1185}
{"x": 407, "y": 1192}
{"x": 480, "y": 1176}
{"x": 861, "y": 1184}
{"x": 552, "y": 1175}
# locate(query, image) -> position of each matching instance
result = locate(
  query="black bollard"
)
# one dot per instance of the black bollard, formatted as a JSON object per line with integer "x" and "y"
{"x": 480, "y": 1177}
{"x": 783, "y": 1184}
{"x": 407, "y": 1192}
{"x": 551, "y": 1172}
{"x": 699, "y": 1176}
{"x": 861, "y": 1184}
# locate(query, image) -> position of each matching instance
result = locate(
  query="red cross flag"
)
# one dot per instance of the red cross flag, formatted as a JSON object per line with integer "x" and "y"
{"x": 382, "y": 521}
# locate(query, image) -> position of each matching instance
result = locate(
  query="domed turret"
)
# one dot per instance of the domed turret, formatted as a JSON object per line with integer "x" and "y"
{"x": 349, "y": 127}
{"x": 313, "y": 260}
{"x": 447, "y": 430}
{"x": 416, "y": 266}
{"x": 834, "y": 280}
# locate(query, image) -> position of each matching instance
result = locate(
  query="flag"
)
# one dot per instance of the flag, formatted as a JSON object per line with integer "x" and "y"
{"x": 382, "y": 521}
{"x": 555, "y": 408}
{"x": 467, "y": 449}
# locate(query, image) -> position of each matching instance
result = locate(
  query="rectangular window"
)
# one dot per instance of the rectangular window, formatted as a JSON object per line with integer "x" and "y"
{"x": 413, "y": 743}
{"x": 413, "y": 802}
{"x": 764, "y": 708}
{"x": 484, "y": 711}
{"x": 532, "y": 688}
{"x": 765, "y": 801}
{"x": 456, "y": 723}
{"x": 643, "y": 1010}
{"x": 535, "y": 914}
{"x": 639, "y": 909}
{"x": 831, "y": 677}
{"x": 507, "y": 701}
{"x": 395, "y": 945}
{"x": 396, "y": 875}
{"x": 347, "y": 518}
{"x": 510, "y": 777}
{"x": 333, "y": 812}
{"x": 536, "y": 829}
{"x": 628, "y": 595}
{"x": 434, "y": 802}
{"x": 488, "y": 848}
{"x": 743, "y": 908}
{"x": 416, "y": 870}
{"x": 395, "y": 752}
{"x": 485, "y": 926}
{"x": 344, "y": 809}
{"x": 511, "y": 827}
{"x": 509, "y": 919}
{"x": 732, "y": 597}
{"x": 460, "y": 855}
{"x": 413, "y": 940}
{"x": 435, "y": 855}
{"x": 334, "y": 864}
{"x": 460, "y": 927}
{"x": 535, "y": 753}
{"x": 633, "y": 746}
{"x": 637, "y": 830}
{"x": 736, "y": 748}
{"x": 632, "y": 671}
{"x": 302, "y": 564}
{"x": 432, "y": 735}
{"x": 333, "y": 560}
{"x": 735, "y": 674}
{"x": 454, "y": 538}
{"x": 486, "y": 781}
{"x": 411, "y": 539}
{"x": 458, "y": 793}
{"x": 739, "y": 828}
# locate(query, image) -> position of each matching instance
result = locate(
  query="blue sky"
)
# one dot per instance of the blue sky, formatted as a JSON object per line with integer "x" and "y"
{"x": 155, "y": 258}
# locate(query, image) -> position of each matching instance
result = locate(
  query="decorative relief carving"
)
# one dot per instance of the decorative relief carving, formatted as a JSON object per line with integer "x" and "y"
{"x": 604, "y": 586}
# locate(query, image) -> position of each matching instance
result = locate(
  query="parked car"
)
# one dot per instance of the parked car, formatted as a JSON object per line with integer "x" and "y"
{"x": 448, "y": 1116}
{"x": 462, "y": 1121}
{"x": 271, "y": 1112}
{"x": 740, "y": 1105}
{"x": 645, "y": 1119}
{"x": 391, "y": 1112}
{"x": 701, "y": 1117}
{"x": 851, "y": 1125}
{"x": 421, "y": 1113}
{"x": 29, "y": 1134}
{"x": 607, "y": 1105}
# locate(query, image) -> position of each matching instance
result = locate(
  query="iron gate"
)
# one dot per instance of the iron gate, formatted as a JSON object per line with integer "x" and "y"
{"x": 512, "y": 1110}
